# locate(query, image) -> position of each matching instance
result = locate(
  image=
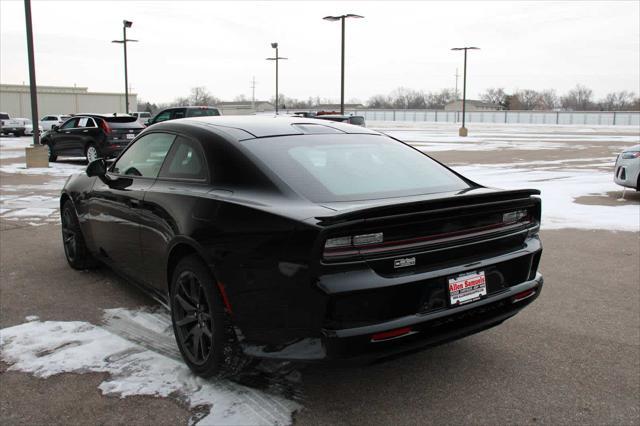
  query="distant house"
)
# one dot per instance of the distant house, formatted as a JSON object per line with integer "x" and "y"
{"x": 472, "y": 105}
{"x": 244, "y": 107}
{"x": 336, "y": 107}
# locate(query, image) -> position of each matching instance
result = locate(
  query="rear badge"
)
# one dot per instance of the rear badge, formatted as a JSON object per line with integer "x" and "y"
{"x": 405, "y": 262}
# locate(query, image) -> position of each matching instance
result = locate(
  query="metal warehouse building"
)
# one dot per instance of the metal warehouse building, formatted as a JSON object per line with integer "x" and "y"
{"x": 15, "y": 100}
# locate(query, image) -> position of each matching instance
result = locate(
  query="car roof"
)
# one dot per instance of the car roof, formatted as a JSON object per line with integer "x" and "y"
{"x": 270, "y": 126}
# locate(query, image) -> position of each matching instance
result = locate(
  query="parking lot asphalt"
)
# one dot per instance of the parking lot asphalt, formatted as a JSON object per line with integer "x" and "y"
{"x": 572, "y": 357}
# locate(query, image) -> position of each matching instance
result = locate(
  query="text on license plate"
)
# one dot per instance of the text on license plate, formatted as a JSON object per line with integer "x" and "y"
{"x": 467, "y": 287}
{"x": 130, "y": 136}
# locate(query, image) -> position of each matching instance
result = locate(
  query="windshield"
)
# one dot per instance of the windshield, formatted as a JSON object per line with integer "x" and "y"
{"x": 348, "y": 167}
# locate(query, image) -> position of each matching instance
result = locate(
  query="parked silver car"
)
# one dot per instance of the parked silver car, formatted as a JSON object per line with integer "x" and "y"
{"x": 627, "y": 170}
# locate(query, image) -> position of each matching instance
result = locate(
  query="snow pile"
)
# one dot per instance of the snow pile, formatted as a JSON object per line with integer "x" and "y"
{"x": 559, "y": 189}
{"x": 54, "y": 347}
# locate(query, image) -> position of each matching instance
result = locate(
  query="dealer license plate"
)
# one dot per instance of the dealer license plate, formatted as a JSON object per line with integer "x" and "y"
{"x": 130, "y": 136}
{"x": 467, "y": 287}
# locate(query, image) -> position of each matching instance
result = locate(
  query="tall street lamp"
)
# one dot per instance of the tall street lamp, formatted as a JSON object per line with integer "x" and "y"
{"x": 125, "y": 24}
{"x": 342, "y": 18}
{"x": 277, "y": 58}
{"x": 463, "y": 130}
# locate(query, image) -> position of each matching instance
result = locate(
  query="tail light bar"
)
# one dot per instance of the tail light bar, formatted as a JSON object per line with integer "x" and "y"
{"x": 105, "y": 126}
{"x": 344, "y": 246}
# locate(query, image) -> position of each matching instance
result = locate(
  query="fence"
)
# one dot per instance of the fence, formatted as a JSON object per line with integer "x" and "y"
{"x": 596, "y": 118}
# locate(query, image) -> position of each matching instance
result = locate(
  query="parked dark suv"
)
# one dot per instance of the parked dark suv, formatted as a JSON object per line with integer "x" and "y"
{"x": 183, "y": 112}
{"x": 92, "y": 135}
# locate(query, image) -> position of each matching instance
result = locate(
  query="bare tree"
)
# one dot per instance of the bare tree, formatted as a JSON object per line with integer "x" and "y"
{"x": 528, "y": 99}
{"x": 378, "y": 101}
{"x": 201, "y": 96}
{"x": 548, "y": 100}
{"x": 618, "y": 101}
{"x": 494, "y": 96}
{"x": 240, "y": 98}
{"x": 578, "y": 99}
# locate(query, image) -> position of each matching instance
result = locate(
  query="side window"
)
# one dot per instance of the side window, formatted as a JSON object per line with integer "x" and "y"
{"x": 185, "y": 161}
{"x": 69, "y": 124}
{"x": 90, "y": 122}
{"x": 82, "y": 122}
{"x": 163, "y": 116}
{"x": 145, "y": 156}
{"x": 179, "y": 113}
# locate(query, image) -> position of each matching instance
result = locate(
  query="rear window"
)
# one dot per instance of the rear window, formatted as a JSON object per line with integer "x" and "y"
{"x": 326, "y": 168}
{"x": 123, "y": 122}
{"x": 202, "y": 112}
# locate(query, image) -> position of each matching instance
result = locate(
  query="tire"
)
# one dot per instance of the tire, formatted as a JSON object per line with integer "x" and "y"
{"x": 203, "y": 329}
{"x": 52, "y": 156}
{"x": 91, "y": 153}
{"x": 75, "y": 249}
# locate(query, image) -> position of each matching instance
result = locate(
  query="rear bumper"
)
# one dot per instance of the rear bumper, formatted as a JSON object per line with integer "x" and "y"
{"x": 355, "y": 345}
{"x": 110, "y": 150}
{"x": 12, "y": 129}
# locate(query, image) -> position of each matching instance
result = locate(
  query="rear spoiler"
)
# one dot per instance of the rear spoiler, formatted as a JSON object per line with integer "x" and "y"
{"x": 435, "y": 204}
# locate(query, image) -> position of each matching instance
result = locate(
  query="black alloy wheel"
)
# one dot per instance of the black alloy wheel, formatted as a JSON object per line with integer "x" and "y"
{"x": 75, "y": 249}
{"x": 201, "y": 325}
{"x": 193, "y": 318}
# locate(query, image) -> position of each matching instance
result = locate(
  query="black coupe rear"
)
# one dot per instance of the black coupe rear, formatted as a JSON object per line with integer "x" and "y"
{"x": 301, "y": 239}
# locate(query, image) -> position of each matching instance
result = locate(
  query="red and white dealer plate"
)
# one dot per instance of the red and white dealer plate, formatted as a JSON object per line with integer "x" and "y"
{"x": 467, "y": 287}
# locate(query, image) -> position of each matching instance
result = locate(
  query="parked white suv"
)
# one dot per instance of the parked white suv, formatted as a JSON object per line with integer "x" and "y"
{"x": 9, "y": 125}
{"x": 49, "y": 120}
{"x": 142, "y": 116}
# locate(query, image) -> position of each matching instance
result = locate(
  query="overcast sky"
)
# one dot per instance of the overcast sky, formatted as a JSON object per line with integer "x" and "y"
{"x": 222, "y": 45}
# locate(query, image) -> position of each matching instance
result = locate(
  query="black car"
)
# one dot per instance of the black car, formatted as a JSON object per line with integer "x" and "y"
{"x": 91, "y": 135}
{"x": 301, "y": 239}
{"x": 183, "y": 112}
{"x": 357, "y": 120}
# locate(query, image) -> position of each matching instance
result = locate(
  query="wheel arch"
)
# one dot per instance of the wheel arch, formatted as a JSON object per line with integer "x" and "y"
{"x": 180, "y": 248}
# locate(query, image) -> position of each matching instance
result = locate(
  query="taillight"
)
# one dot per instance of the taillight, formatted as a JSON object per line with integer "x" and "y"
{"x": 349, "y": 245}
{"x": 105, "y": 126}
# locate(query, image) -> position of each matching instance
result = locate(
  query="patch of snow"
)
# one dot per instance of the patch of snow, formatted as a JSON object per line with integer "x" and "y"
{"x": 31, "y": 318}
{"x": 53, "y": 347}
{"x": 4, "y": 155}
{"x": 30, "y": 212}
{"x": 559, "y": 190}
{"x": 54, "y": 169}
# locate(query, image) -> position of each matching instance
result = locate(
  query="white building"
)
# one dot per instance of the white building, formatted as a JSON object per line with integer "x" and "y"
{"x": 245, "y": 107}
{"x": 15, "y": 99}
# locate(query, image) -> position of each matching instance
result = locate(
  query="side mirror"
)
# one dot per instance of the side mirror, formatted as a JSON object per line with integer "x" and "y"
{"x": 55, "y": 127}
{"x": 148, "y": 122}
{"x": 97, "y": 168}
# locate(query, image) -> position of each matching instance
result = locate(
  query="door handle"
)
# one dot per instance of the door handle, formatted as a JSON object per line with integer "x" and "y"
{"x": 84, "y": 131}
{"x": 67, "y": 132}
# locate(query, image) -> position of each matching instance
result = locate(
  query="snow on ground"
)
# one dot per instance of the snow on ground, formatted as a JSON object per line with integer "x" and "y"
{"x": 492, "y": 137}
{"x": 560, "y": 189}
{"x": 54, "y": 169}
{"x": 54, "y": 347}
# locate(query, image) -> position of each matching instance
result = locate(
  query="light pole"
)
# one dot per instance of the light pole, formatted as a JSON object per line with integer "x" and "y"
{"x": 463, "y": 130}
{"x": 277, "y": 58}
{"x": 125, "y": 24}
{"x": 342, "y": 18}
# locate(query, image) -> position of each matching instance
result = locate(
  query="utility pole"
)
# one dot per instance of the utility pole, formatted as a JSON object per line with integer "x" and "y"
{"x": 277, "y": 58}
{"x": 36, "y": 154}
{"x": 463, "y": 130}
{"x": 342, "y": 18}
{"x": 457, "y": 75}
{"x": 253, "y": 93}
{"x": 125, "y": 24}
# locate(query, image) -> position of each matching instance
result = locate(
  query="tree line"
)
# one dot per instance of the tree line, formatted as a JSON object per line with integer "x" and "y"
{"x": 580, "y": 98}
